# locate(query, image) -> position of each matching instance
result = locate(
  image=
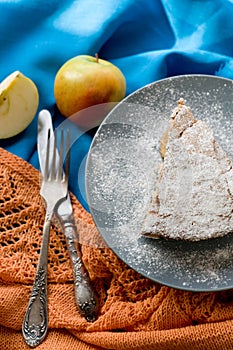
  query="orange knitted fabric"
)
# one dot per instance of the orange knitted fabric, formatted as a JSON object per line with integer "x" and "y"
{"x": 135, "y": 313}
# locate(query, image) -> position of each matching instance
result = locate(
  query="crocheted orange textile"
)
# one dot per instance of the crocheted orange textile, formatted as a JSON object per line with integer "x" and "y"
{"x": 135, "y": 313}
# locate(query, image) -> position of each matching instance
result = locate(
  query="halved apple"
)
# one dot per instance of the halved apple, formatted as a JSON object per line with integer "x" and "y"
{"x": 19, "y": 101}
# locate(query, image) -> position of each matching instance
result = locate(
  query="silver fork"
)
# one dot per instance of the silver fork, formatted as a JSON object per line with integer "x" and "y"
{"x": 54, "y": 189}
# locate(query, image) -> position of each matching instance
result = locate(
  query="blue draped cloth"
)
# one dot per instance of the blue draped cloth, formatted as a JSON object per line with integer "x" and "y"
{"x": 147, "y": 39}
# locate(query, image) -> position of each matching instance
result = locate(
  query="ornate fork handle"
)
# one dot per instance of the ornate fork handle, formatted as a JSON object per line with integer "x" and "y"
{"x": 85, "y": 296}
{"x": 35, "y": 323}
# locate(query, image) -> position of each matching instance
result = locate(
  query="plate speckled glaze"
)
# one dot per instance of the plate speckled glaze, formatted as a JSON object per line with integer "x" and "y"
{"x": 121, "y": 175}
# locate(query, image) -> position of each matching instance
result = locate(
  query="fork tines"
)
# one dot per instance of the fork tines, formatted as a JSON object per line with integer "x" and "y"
{"x": 54, "y": 159}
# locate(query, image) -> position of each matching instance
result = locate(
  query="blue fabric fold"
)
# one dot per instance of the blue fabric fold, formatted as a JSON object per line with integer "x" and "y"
{"x": 148, "y": 40}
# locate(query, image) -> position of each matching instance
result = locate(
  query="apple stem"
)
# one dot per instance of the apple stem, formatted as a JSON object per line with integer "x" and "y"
{"x": 97, "y": 57}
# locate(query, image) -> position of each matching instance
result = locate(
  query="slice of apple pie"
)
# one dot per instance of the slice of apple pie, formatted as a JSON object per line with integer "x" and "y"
{"x": 193, "y": 199}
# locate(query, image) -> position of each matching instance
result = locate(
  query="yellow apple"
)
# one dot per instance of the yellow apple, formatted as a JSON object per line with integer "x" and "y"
{"x": 19, "y": 101}
{"x": 86, "y": 81}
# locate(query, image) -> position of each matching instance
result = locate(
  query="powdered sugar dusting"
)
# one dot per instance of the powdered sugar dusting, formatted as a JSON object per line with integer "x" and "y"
{"x": 192, "y": 199}
{"x": 122, "y": 172}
